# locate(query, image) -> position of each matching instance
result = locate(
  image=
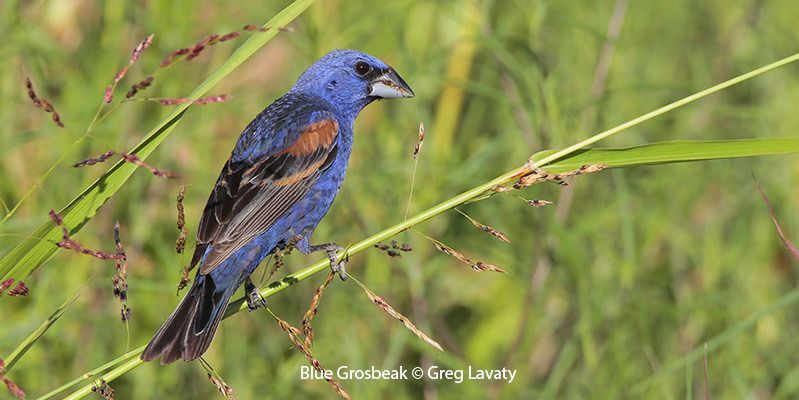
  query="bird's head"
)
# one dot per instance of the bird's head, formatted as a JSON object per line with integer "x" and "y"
{"x": 350, "y": 80}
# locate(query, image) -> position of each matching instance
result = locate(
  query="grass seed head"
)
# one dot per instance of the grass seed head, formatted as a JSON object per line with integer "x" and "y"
{"x": 91, "y": 161}
{"x": 785, "y": 241}
{"x": 109, "y": 94}
{"x": 476, "y": 265}
{"x": 184, "y": 278}
{"x": 56, "y": 218}
{"x": 134, "y": 159}
{"x": 140, "y": 48}
{"x": 172, "y": 102}
{"x": 15, "y": 390}
{"x": 42, "y": 103}
{"x": 19, "y": 290}
{"x": 419, "y": 141}
{"x": 221, "y": 386}
{"x": 538, "y": 203}
{"x": 103, "y": 389}
{"x": 5, "y": 285}
{"x": 229, "y": 36}
{"x": 388, "y": 309}
{"x": 141, "y": 85}
{"x": 495, "y": 232}
{"x": 213, "y": 99}
{"x": 120, "y": 280}
{"x": 180, "y": 244}
{"x": 481, "y": 266}
{"x": 313, "y": 308}
{"x": 175, "y": 54}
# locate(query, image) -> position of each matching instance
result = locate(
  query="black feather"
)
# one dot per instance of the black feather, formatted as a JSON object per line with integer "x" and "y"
{"x": 187, "y": 333}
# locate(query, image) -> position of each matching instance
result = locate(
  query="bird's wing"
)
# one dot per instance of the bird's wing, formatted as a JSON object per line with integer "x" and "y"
{"x": 250, "y": 196}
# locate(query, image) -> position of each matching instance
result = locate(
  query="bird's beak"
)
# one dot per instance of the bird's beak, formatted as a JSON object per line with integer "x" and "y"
{"x": 389, "y": 85}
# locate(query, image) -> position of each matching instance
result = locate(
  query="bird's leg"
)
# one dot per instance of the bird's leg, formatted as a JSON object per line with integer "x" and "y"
{"x": 332, "y": 250}
{"x": 254, "y": 298}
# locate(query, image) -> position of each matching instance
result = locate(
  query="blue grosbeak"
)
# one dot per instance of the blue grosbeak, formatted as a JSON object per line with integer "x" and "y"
{"x": 278, "y": 183}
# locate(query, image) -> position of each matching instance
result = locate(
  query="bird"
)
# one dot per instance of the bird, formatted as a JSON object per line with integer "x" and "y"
{"x": 278, "y": 183}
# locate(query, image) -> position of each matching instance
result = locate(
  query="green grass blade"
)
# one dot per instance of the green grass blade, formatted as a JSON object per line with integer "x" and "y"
{"x": 667, "y": 108}
{"x": 29, "y": 341}
{"x": 37, "y": 248}
{"x": 123, "y": 359}
{"x": 669, "y": 152}
{"x": 789, "y": 299}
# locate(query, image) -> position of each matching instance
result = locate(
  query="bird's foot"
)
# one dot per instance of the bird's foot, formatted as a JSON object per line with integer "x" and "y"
{"x": 254, "y": 298}
{"x": 332, "y": 250}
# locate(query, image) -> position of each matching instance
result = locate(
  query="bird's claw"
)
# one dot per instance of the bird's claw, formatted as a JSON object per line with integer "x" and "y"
{"x": 254, "y": 298}
{"x": 332, "y": 250}
{"x": 337, "y": 266}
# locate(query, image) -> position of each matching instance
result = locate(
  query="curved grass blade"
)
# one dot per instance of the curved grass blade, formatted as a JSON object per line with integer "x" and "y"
{"x": 667, "y": 108}
{"x": 38, "y": 247}
{"x": 789, "y": 299}
{"x": 93, "y": 373}
{"x": 669, "y": 152}
{"x": 35, "y": 335}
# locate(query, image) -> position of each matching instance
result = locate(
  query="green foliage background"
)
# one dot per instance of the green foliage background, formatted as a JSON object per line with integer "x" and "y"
{"x": 622, "y": 279}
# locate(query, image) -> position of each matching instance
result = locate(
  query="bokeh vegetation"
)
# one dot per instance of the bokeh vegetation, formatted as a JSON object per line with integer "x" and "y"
{"x": 611, "y": 292}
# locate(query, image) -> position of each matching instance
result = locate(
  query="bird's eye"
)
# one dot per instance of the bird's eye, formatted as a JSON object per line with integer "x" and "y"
{"x": 362, "y": 68}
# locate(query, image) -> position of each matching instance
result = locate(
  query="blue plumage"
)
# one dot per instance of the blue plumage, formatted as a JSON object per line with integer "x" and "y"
{"x": 278, "y": 184}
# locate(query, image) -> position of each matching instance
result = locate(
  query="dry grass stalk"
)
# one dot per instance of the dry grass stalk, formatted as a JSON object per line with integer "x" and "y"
{"x": 283, "y": 251}
{"x": 394, "y": 249}
{"x": 12, "y": 387}
{"x": 538, "y": 203}
{"x": 19, "y": 290}
{"x": 141, "y": 85}
{"x": 294, "y": 335}
{"x": 135, "y": 54}
{"x": 175, "y": 54}
{"x": 391, "y": 311}
{"x": 486, "y": 228}
{"x": 184, "y": 278}
{"x": 42, "y": 103}
{"x": 4, "y": 285}
{"x": 538, "y": 175}
{"x": 120, "y": 280}
{"x": 213, "y": 99}
{"x": 180, "y": 243}
{"x": 476, "y": 265}
{"x": 419, "y": 141}
{"x": 203, "y": 100}
{"x": 104, "y": 390}
{"x": 785, "y": 241}
{"x": 67, "y": 243}
{"x": 131, "y": 158}
{"x": 307, "y": 329}
{"x": 134, "y": 159}
{"x": 96, "y": 160}
{"x": 216, "y": 379}
{"x": 223, "y": 388}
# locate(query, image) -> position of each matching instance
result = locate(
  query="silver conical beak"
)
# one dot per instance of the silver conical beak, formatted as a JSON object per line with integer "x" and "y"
{"x": 389, "y": 85}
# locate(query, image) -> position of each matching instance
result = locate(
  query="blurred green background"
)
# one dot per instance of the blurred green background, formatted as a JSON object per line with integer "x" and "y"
{"x": 628, "y": 273}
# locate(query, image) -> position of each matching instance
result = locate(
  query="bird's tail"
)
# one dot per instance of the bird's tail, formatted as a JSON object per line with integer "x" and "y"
{"x": 188, "y": 332}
